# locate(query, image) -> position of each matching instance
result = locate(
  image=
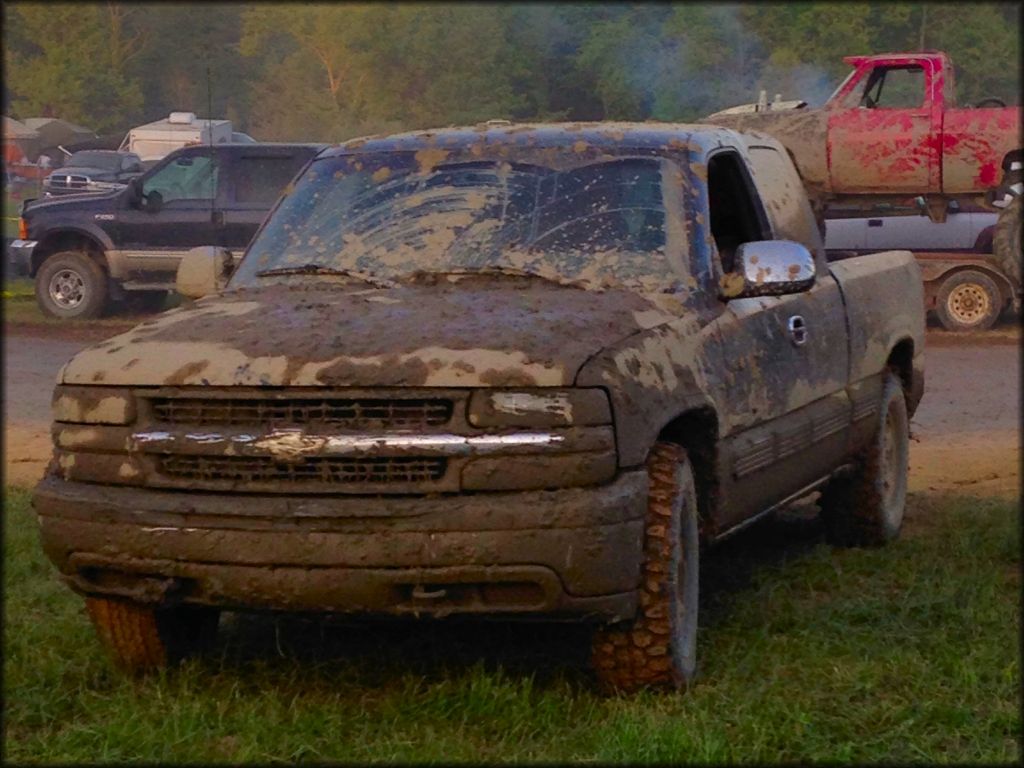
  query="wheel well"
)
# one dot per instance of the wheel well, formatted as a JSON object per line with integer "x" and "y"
{"x": 984, "y": 242}
{"x": 66, "y": 241}
{"x": 901, "y": 360}
{"x": 1016, "y": 155}
{"x": 697, "y": 432}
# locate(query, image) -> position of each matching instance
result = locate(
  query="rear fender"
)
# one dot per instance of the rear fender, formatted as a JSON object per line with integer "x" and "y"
{"x": 884, "y": 297}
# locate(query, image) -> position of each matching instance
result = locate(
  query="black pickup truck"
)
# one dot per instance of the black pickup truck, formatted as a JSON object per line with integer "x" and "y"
{"x": 85, "y": 251}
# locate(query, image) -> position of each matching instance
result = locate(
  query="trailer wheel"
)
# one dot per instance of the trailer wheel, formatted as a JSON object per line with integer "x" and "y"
{"x": 1006, "y": 243}
{"x": 70, "y": 285}
{"x": 968, "y": 301}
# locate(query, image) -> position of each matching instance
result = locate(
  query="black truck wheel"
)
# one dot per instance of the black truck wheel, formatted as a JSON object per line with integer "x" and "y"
{"x": 658, "y": 648}
{"x": 968, "y": 301}
{"x": 145, "y": 301}
{"x": 141, "y": 637}
{"x": 866, "y": 509}
{"x": 71, "y": 285}
{"x": 1006, "y": 242}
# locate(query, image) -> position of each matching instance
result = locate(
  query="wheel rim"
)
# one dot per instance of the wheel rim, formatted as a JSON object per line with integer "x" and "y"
{"x": 66, "y": 289}
{"x": 969, "y": 304}
{"x": 893, "y": 474}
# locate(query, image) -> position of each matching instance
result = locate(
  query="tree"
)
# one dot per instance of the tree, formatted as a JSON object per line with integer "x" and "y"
{"x": 51, "y": 60}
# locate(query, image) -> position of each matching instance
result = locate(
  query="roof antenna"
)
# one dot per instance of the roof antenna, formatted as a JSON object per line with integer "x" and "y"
{"x": 215, "y": 220}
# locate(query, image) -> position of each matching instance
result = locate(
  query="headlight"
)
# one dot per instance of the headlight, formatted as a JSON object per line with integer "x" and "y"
{"x": 93, "y": 405}
{"x": 538, "y": 408}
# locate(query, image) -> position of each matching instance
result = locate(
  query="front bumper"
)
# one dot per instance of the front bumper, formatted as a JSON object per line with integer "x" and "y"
{"x": 21, "y": 255}
{"x": 567, "y": 553}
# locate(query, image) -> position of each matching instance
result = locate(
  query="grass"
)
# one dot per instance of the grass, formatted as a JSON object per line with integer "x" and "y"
{"x": 904, "y": 654}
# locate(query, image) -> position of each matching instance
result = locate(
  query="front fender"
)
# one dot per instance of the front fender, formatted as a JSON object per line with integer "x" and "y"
{"x": 51, "y": 237}
{"x": 652, "y": 377}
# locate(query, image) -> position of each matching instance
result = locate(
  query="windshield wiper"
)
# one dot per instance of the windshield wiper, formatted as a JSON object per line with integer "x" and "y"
{"x": 313, "y": 268}
{"x": 496, "y": 269}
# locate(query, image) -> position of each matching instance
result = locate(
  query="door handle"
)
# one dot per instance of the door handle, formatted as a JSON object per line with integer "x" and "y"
{"x": 797, "y": 330}
{"x": 217, "y": 217}
{"x": 875, "y": 222}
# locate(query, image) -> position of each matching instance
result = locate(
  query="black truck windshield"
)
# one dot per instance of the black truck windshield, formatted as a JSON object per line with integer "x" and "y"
{"x": 108, "y": 161}
{"x": 383, "y": 215}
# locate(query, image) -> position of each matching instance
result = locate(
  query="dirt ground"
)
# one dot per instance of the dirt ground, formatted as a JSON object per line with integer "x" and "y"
{"x": 966, "y": 436}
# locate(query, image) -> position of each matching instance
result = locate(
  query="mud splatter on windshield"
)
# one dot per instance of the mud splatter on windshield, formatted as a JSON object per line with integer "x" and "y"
{"x": 392, "y": 215}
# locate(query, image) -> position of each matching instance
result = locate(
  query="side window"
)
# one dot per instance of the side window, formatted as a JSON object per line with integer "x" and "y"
{"x": 261, "y": 179}
{"x": 784, "y": 198}
{"x": 189, "y": 177}
{"x": 894, "y": 88}
{"x": 736, "y": 217}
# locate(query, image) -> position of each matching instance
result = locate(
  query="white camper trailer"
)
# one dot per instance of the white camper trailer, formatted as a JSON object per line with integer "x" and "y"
{"x": 156, "y": 140}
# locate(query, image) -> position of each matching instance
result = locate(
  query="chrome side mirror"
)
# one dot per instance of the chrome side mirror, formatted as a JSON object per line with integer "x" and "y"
{"x": 203, "y": 271}
{"x": 769, "y": 268}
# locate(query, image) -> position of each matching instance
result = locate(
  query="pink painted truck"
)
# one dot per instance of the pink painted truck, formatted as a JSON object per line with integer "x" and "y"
{"x": 892, "y": 131}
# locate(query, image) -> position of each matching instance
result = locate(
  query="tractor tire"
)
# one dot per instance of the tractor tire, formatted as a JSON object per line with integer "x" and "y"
{"x": 658, "y": 648}
{"x": 866, "y": 509}
{"x": 70, "y": 285}
{"x": 141, "y": 638}
{"x": 1006, "y": 241}
{"x": 968, "y": 301}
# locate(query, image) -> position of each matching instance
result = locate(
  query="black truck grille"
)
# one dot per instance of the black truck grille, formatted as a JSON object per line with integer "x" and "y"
{"x": 350, "y": 413}
{"x": 65, "y": 181}
{"x": 333, "y": 470}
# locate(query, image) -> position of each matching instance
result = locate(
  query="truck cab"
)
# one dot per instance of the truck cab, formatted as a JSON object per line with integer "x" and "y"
{"x": 893, "y": 131}
{"x": 86, "y": 250}
{"x": 893, "y": 125}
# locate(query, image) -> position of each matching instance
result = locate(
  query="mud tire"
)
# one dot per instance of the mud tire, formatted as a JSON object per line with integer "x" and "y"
{"x": 657, "y": 649}
{"x": 1006, "y": 241}
{"x": 142, "y": 638}
{"x": 866, "y": 509}
{"x": 71, "y": 286}
{"x": 968, "y": 301}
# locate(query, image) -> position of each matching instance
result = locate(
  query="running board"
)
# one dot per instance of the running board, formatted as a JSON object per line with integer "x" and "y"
{"x": 147, "y": 286}
{"x": 843, "y": 471}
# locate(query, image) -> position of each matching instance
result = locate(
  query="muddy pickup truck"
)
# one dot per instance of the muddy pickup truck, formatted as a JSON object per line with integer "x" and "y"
{"x": 893, "y": 131}
{"x": 520, "y": 371}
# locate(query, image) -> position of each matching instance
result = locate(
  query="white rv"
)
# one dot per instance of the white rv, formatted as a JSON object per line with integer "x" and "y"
{"x": 156, "y": 140}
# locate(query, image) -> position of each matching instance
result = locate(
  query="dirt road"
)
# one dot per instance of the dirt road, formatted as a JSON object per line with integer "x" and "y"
{"x": 965, "y": 433}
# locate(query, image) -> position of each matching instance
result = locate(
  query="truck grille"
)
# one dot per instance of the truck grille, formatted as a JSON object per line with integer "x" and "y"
{"x": 69, "y": 181}
{"x": 334, "y": 470}
{"x": 351, "y": 413}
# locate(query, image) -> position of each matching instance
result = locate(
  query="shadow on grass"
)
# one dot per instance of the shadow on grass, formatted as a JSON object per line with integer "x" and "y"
{"x": 374, "y": 651}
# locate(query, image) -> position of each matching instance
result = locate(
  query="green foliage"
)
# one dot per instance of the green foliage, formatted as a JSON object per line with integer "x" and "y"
{"x": 333, "y": 71}
{"x": 903, "y": 654}
{"x": 70, "y": 61}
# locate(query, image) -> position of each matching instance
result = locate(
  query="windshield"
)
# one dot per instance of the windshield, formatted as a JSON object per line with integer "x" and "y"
{"x": 382, "y": 215}
{"x": 108, "y": 162}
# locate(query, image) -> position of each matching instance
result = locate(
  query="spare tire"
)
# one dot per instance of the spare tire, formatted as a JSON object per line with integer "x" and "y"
{"x": 1006, "y": 243}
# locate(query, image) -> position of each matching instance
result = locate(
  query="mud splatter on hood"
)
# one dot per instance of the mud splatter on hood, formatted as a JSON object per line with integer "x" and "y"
{"x": 478, "y": 332}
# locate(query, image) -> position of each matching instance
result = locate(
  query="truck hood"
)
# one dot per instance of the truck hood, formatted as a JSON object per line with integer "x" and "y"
{"x": 84, "y": 170}
{"x": 86, "y": 201}
{"x": 455, "y": 333}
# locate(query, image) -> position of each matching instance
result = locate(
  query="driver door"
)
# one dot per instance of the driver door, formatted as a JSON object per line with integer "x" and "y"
{"x": 154, "y": 239}
{"x": 785, "y": 411}
{"x": 883, "y": 137}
